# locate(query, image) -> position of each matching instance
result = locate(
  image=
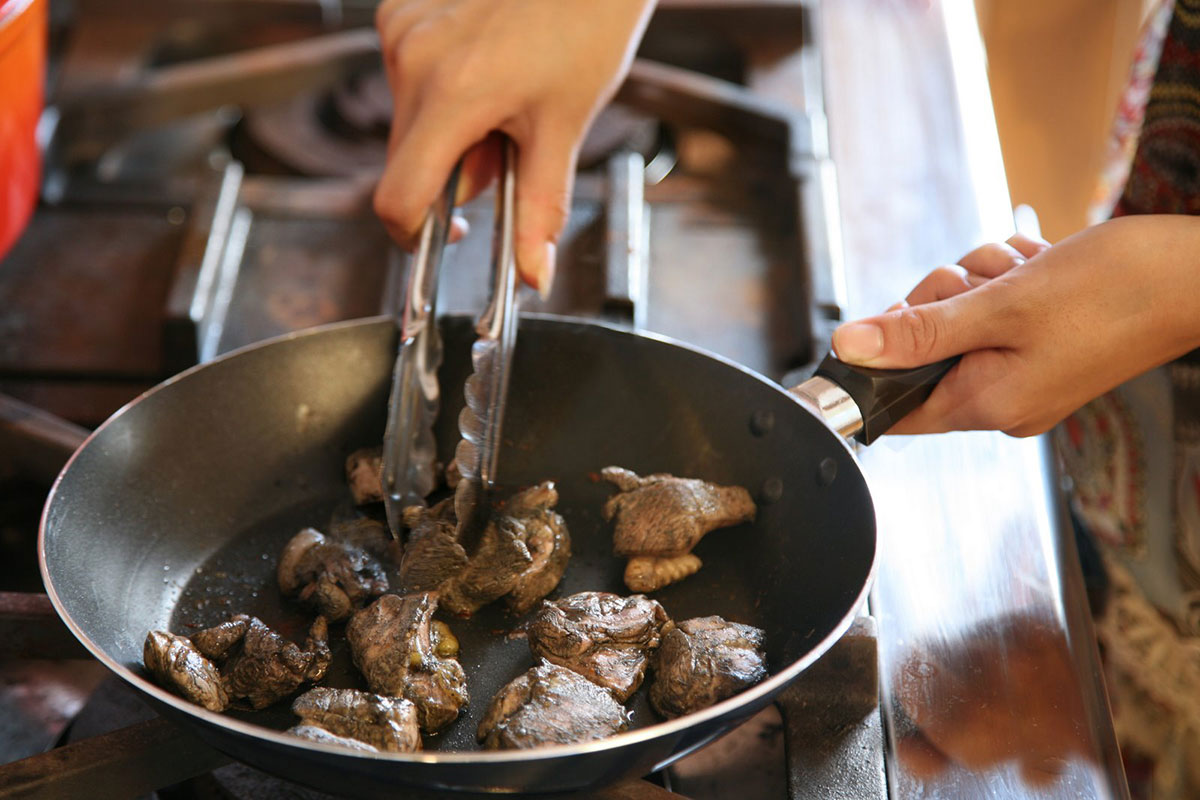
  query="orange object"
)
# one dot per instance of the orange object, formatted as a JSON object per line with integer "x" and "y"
{"x": 22, "y": 74}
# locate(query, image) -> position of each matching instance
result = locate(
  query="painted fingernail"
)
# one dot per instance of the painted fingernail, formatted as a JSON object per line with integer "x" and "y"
{"x": 546, "y": 277}
{"x": 858, "y": 341}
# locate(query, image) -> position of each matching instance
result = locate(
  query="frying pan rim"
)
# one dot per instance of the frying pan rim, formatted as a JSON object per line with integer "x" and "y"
{"x": 672, "y": 727}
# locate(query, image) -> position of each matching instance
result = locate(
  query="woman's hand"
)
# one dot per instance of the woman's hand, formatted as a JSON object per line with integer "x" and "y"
{"x": 1043, "y": 329}
{"x": 538, "y": 70}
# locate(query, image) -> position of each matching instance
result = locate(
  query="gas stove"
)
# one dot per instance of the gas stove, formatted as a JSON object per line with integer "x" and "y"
{"x": 208, "y": 181}
{"x": 209, "y": 173}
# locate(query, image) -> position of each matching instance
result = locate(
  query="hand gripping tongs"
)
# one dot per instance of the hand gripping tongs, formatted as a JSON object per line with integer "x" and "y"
{"x": 409, "y": 449}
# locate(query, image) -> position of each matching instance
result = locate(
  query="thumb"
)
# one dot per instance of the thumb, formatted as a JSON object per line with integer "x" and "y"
{"x": 545, "y": 173}
{"x": 915, "y": 335}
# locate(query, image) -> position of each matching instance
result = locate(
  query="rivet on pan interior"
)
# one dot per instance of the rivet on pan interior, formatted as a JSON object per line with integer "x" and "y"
{"x": 826, "y": 472}
{"x": 771, "y": 491}
{"x": 762, "y": 422}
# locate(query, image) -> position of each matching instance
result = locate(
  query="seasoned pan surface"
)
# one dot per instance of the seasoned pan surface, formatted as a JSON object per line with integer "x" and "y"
{"x": 173, "y": 514}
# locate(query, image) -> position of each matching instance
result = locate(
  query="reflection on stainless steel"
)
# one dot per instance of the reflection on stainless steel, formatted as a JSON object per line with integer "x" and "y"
{"x": 832, "y": 402}
{"x": 992, "y": 692}
{"x": 989, "y": 668}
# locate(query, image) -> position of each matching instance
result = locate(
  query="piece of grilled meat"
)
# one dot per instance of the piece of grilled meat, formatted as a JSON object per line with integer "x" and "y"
{"x": 403, "y": 652}
{"x": 177, "y": 665}
{"x": 660, "y": 518}
{"x": 522, "y": 553}
{"x": 381, "y": 724}
{"x": 260, "y": 665}
{"x": 432, "y": 554}
{"x": 604, "y": 637}
{"x": 336, "y": 574}
{"x": 240, "y": 658}
{"x": 364, "y": 474}
{"x": 545, "y": 534}
{"x": 550, "y": 704}
{"x": 703, "y": 661}
{"x": 492, "y": 571}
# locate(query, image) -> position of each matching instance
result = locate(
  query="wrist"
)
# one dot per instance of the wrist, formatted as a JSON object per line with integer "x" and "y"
{"x": 1169, "y": 245}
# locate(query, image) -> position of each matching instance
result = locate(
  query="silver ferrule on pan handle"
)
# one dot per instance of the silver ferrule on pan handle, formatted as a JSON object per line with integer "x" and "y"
{"x": 832, "y": 403}
{"x": 864, "y": 402}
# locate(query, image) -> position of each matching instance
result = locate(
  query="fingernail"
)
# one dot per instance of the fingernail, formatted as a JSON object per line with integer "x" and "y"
{"x": 858, "y": 341}
{"x": 546, "y": 278}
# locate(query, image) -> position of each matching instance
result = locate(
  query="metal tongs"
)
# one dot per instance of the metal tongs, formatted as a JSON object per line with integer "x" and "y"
{"x": 409, "y": 449}
{"x": 486, "y": 389}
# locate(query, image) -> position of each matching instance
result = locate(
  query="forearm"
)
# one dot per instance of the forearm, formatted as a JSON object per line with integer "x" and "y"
{"x": 1164, "y": 290}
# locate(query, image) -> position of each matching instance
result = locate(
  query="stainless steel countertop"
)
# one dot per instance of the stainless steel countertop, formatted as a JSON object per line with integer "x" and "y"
{"x": 991, "y": 677}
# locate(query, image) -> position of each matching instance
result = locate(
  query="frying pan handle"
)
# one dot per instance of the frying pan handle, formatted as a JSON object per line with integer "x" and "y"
{"x": 866, "y": 402}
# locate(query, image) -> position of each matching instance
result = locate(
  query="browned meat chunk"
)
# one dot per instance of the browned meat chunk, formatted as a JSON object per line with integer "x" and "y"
{"x": 660, "y": 518}
{"x": 550, "y": 705}
{"x": 522, "y": 553}
{"x": 177, "y": 665}
{"x": 339, "y": 573}
{"x": 703, "y": 661}
{"x": 549, "y": 543}
{"x": 402, "y": 652}
{"x": 387, "y": 724}
{"x": 604, "y": 637}
{"x": 432, "y": 555}
{"x": 493, "y": 569}
{"x": 364, "y": 473}
{"x": 260, "y": 665}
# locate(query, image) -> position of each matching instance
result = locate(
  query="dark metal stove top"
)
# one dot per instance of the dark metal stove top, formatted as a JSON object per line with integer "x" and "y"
{"x": 184, "y": 217}
{"x": 174, "y": 228}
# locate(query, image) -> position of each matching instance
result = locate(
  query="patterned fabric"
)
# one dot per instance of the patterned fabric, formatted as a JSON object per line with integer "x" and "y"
{"x": 1134, "y": 455}
{"x": 1165, "y": 179}
{"x": 1165, "y": 176}
{"x": 1131, "y": 108}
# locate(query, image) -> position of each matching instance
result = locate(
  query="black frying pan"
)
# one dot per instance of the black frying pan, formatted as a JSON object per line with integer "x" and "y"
{"x": 173, "y": 513}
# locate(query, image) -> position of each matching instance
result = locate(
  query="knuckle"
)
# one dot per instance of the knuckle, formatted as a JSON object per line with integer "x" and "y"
{"x": 949, "y": 276}
{"x": 948, "y": 271}
{"x": 412, "y": 50}
{"x": 382, "y": 12}
{"x": 995, "y": 250}
{"x": 991, "y": 415}
{"x": 557, "y": 208}
{"x": 1023, "y": 242}
{"x": 391, "y": 209}
{"x": 381, "y": 205}
{"x": 979, "y": 252}
{"x": 919, "y": 332}
{"x": 450, "y": 79}
{"x": 992, "y": 412}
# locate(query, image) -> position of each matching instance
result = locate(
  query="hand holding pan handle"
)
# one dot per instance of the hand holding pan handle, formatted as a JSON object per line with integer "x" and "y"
{"x": 865, "y": 402}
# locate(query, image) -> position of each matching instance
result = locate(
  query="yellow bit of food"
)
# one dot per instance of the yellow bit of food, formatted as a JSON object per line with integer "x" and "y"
{"x": 647, "y": 573}
{"x": 415, "y": 659}
{"x": 445, "y": 645}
